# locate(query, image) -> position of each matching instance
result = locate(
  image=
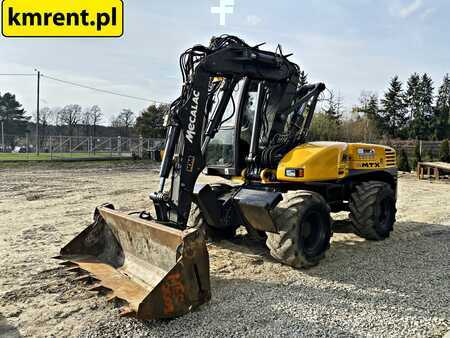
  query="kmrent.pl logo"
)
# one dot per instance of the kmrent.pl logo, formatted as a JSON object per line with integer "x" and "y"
{"x": 62, "y": 18}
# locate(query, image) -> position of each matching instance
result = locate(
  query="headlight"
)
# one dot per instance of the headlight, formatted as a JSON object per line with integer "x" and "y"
{"x": 294, "y": 172}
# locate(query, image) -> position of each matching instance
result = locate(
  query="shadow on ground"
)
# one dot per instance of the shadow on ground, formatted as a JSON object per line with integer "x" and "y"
{"x": 390, "y": 288}
{"x": 7, "y": 330}
{"x": 412, "y": 263}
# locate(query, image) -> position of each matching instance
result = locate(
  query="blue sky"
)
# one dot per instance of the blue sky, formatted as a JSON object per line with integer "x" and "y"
{"x": 351, "y": 45}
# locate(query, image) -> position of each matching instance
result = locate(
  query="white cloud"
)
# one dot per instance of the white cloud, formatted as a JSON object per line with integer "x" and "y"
{"x": 253, "y": 20}
{"x": 427, "y": 13}
{"x": 402, "y": 10}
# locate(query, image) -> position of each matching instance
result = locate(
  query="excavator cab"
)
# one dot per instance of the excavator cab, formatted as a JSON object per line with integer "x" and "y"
{"x": 226, "y": 153}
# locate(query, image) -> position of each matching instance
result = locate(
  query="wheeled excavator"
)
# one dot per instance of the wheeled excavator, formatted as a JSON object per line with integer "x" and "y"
{"x": 243, "y": 115}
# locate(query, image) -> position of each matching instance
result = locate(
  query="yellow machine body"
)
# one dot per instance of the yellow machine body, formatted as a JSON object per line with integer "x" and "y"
{"x": 324, "y": 161}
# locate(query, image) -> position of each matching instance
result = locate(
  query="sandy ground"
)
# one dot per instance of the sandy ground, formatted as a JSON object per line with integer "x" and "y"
{"x": 401, "y": 284}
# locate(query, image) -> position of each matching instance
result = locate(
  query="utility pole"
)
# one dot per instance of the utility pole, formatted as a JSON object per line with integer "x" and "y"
{"x": 3, "y": 139}
{"x": 37, "y": 110}
{"x": 3, "y": 130}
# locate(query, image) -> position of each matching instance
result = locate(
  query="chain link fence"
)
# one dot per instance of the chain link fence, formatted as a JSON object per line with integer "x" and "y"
{"x": 13, "y": 147}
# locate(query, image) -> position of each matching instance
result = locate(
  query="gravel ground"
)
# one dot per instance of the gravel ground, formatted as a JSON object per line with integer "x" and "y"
{"x": 399, "y": 287}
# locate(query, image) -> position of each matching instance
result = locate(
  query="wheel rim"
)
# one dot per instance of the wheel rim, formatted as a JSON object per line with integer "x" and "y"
{"x": 313, "y": 234}
{"x": 385, "y": 215}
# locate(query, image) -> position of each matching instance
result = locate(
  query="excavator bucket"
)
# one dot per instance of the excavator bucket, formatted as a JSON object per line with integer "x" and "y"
{"x": 152, "y": 270}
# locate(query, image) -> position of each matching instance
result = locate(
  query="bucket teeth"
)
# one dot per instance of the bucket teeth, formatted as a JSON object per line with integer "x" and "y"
{"x": 111, "y": 298}
{"x": 75, "y": 269}
{"x": 100, "y": 289}
{"x": 125, "y": 311}
{"x": 87, "y": 279}
{"x": 68, "y": 264}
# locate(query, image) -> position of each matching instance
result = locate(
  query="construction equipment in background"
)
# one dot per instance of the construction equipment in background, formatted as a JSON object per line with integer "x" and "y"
{"x": 243, "y": 115}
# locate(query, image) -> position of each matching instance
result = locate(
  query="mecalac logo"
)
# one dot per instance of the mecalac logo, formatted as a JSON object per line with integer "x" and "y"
{"x": 190, "y": 133}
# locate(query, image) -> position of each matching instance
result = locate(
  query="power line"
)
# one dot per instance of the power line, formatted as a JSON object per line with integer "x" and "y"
{"x": 87, "y": 87}
{"x": 103, "y": 90}
{"x": 17, "y": 74}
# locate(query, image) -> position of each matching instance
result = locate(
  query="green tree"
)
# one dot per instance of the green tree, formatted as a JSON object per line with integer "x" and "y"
{"x": 444, "y": 153}
{"x": 421, "y": 124}
{"x": 13, "y": 116}
{"x": 324, "y": 128}
{"x": 413, "y": 99}
{"x": 150, "y": 122}
{"x": 394, "y": 113}
{"x": 441, "y": 119}
{"x": 417, "y": 155}
{"x": 372, "y": 122}
{"x": 303, "y": 78}
{"x": 403, "y": 162}
{"x": 430, "y": 155}
{"x": 334, "y": 107}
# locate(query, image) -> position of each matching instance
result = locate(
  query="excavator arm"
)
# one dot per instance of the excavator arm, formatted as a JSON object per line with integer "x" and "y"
{"x": 232, "y": 59}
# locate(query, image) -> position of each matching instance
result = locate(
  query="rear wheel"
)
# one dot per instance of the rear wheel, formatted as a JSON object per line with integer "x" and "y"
{"x": 372, "y": 210}
{"x": 304, "y": 224}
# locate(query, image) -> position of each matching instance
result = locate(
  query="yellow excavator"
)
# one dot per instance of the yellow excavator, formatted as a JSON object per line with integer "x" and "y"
{"x": 243, "y": 115}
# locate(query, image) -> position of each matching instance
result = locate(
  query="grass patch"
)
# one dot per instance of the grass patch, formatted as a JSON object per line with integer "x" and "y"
{"x": 101, "y": 164}
{"x": 48, "y": 156}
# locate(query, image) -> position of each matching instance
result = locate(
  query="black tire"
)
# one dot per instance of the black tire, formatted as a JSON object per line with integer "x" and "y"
{"x": 304, "y": 223}
{"x": 197, "y": 221}
{"x": 372, "y": 210}
{"x": 256, "y": 235}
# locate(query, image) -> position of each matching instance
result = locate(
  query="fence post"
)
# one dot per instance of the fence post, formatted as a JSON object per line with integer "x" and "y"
{"x": 141, "y": 147}
{"x": 70, "y": 145}
{"x": 119, "y": 146}
{"x": 27, "y": 145}
{"x": 51, "y": 148}
{"x": 110, "y": 146}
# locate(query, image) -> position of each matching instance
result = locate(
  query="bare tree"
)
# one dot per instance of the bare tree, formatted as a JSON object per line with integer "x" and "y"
{"x": 46, "y": 116}
{"x": 70, "y": 116}
{"x": 96, "y": 118}
{"x": 115, "y": 122}
{"x": 125, "y": 120}
{"x": 86, "y": 120}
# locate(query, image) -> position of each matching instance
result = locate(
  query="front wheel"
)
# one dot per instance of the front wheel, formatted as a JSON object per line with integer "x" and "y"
{"x": 372, "y": 210}
{"x": 304, "y": 224}
{"x": 197, "y": 221}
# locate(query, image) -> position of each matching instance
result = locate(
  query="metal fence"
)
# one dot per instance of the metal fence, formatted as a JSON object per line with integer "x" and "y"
{"x": 74, "y": 147}
{"x": 426, "y": 148}
{"x": 77, "y": 147}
